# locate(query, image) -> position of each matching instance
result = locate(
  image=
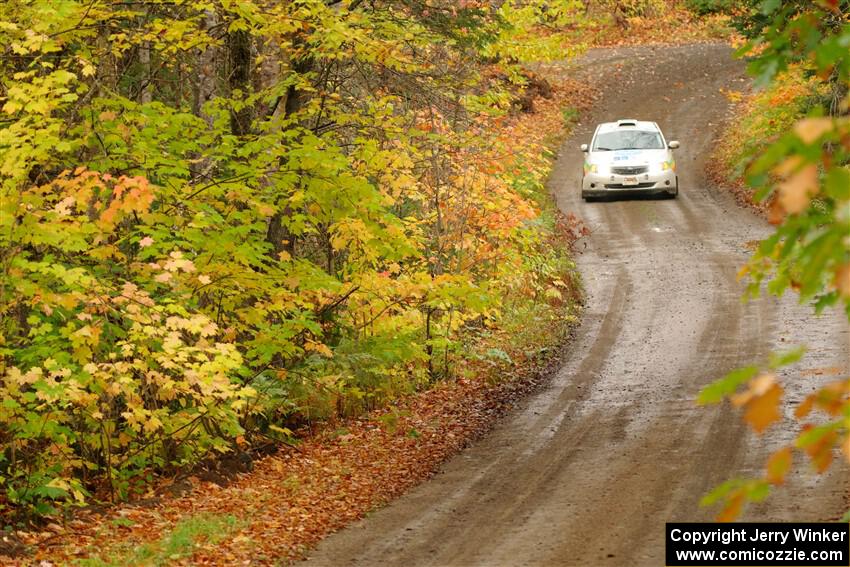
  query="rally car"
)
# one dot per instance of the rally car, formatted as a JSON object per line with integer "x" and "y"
{"x": 629, "y": 157}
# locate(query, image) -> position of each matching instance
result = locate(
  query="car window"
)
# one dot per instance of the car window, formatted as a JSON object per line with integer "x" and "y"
{"x": 628, "y": 140}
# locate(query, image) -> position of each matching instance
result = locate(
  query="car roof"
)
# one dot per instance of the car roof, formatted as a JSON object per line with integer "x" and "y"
{"x": 627, "y": 124}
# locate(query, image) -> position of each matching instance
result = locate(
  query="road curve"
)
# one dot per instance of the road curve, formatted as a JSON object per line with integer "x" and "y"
{"x": 588, "y": 470}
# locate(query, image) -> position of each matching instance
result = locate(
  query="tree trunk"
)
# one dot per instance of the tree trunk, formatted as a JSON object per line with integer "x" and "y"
{"x": 146, "y": 92}
{"x": 277, "y": 234}
{"x": 239, "y": 80}
{"x": 206, "y": 81}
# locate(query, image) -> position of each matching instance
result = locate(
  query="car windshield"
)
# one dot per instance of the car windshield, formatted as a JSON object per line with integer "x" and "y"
{"x": 628, "y": 140}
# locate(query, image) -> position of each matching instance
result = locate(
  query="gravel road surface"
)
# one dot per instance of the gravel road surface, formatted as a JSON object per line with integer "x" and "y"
{"x": 587, "y": 471}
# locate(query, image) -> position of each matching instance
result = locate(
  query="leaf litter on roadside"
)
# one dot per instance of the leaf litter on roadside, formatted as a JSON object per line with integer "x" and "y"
{"x": 336, "y": 473}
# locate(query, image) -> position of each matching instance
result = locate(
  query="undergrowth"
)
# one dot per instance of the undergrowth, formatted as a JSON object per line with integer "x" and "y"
{"x": 756, "y": 120}
{"x": 178, "y": 543}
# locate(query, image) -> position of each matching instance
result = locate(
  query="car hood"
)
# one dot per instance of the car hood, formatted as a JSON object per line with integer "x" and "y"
{"x": 628, "y": 157}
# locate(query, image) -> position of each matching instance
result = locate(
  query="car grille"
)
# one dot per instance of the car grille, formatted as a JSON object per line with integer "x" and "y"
{"x": 621, "y": 186}
{"x": 633, "y": 170}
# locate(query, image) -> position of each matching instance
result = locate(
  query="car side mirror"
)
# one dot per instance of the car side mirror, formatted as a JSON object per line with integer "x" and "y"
{"x": 673, "y": 144}
{"x": 583, "y": 147}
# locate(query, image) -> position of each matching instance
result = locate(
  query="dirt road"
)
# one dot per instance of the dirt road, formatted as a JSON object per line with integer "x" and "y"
{"x": 588, "y": 471}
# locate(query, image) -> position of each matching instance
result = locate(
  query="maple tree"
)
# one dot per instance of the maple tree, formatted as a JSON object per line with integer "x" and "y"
{"x": 222, "y": 220}
{"x": 340, "y": 469}
{"x": 802, "y": 176}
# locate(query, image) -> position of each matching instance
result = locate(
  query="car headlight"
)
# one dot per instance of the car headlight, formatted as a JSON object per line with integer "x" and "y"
{"x": 668, "y": 165}
{"x": 596, "y": 168}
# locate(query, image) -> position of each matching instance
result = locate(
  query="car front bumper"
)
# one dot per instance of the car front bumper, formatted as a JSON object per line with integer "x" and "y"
{"x": 599, "y": 185}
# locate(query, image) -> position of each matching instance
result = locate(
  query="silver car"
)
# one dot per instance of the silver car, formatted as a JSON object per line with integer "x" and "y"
{"x": 629, "y": 157}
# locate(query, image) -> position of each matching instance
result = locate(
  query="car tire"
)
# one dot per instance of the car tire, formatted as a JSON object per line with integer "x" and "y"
{"x": 583, "y": 194}
{"x": 675, "y": 191}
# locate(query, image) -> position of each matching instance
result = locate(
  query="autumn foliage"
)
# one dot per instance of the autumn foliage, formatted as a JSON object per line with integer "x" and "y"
{"x": 221, "y": 221}
{"x": 793, "y": 150}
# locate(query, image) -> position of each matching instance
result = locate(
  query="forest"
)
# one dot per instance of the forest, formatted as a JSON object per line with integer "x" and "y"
{"x": 224, "y": 223}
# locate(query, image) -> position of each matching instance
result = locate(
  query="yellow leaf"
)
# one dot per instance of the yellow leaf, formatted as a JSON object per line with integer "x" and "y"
{"x": 59, "y": 483}
{"x": 552, "y": 293}
{"x": 12, "y": 107}
{"x": 810, "y": 129}
{"x": 152, "y": 424}
{"x": 319, "y": 348}
{"x": 265, "y": 210}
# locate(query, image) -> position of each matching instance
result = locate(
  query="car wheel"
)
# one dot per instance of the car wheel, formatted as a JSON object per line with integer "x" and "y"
{"x": 675, "y": 191}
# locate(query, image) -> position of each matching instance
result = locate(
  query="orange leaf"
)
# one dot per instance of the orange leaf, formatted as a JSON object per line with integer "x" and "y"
{"x": 762, "y": 402}
{"x": 732, "y": 509}
{"x": 788, "y": 166}
{"x": 778, "y": 465}
{"x": 842, "y": 280}
{"x": 796, "y": 191}
{"x": 805, "y": 407}
{"x": 775, "y": 213}
{"x": 820, "y": 452}
{"x": 831, "y": 398}
{"x": 810, "y": 129}
{"x": 758, "y": 386}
